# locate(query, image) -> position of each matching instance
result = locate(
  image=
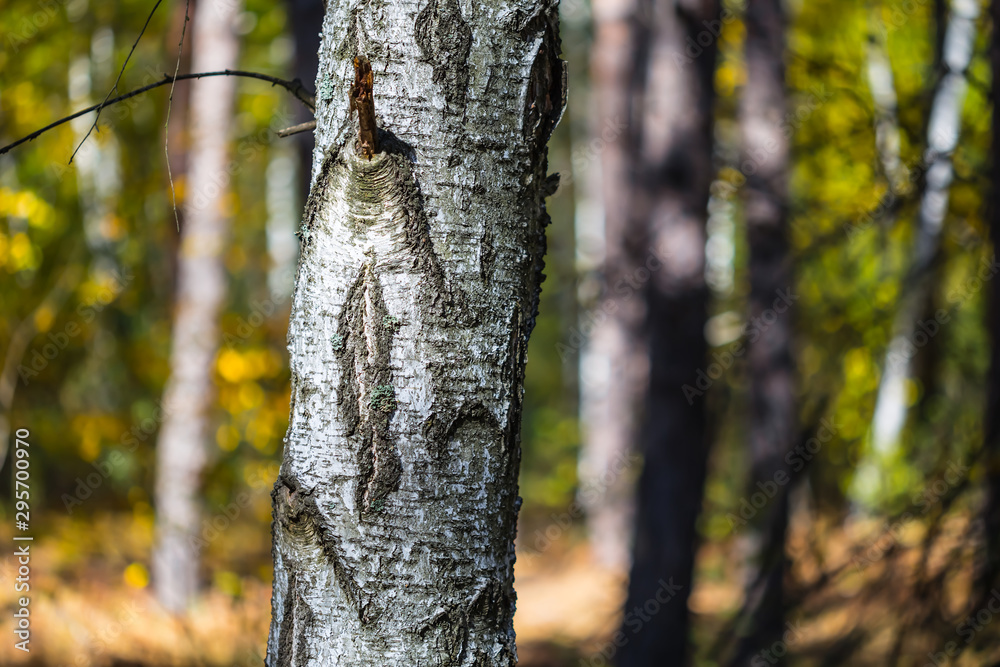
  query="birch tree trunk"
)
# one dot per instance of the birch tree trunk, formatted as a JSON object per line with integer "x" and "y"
{"x": 614, "y": 360}
{"x": 671, "y": 167}
{"x": 182, "y": 448}
{"x": 420, "y": 269}
{"x": 943, "y": 128}
{"x": 770, "y": 365}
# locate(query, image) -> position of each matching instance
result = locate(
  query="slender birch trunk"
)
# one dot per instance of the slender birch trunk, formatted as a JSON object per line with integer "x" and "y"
{"x": 419, "y": 274}
{"x": 882, "y": 85}
{"x": 614, "y": 360}
{"x": 770, "y": 365}
{"x": 182, "y": 448}
{"x": 942, "y": 137}
{"x": 671, "y": 167}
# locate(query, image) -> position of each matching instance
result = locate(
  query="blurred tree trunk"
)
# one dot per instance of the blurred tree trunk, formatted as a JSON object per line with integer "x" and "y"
{"x": 307, "y": 21}
{"x": 614, "y": 360}
{"x": 770, "y": 366}
{"x": 178, "y": 134}
{"x": 182, "y": 447}
{"x": 989, "y": 575}
{"x": 670, "y": 167}
{"x": 396, "y": 504}
{"x": 870, "y": 483}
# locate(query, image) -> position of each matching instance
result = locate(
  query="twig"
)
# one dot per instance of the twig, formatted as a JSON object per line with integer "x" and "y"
{"x": 166, "y": 123}
{"x": 295, "y": 129}
{"x": 118, "y": 80}
{"x": 295, "y": 87}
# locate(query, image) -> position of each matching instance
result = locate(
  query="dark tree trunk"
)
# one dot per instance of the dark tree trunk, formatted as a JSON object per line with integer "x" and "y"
{"x": 182, "y": 447}
{"x": 611, "y": 398}
{"x": 769, "y": 360}
{"x": 307, "y": 21}
{"x": 671, "y": 133}
{"x": 990, "y": 573}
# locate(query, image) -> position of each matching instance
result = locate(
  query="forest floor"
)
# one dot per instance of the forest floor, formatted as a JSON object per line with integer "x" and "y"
{"x": 92, "y": 606}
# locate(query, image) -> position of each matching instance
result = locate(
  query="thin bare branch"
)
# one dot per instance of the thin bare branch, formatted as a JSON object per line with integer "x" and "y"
{"x": 296, "y": 129}
{"x": 170, "y": 104}
{"x": 118, "y": 80}
{"x": 295, "y": 87}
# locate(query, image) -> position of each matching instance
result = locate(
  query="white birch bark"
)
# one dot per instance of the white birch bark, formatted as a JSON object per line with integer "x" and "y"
{"x": 942, "y": 138}
{"x": 182, "y": 447}
{"x": 97, "y": 160}
{"x": 419, "y": 273}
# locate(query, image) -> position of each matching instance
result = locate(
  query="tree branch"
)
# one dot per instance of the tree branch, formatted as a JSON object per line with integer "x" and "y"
{"x": 295, "y": 129}
{"x": 295, "y": 87}
{"x": 114, "y": 88}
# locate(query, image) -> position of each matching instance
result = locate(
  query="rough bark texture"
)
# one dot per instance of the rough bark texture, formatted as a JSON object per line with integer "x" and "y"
{"x": 396, "y": 505}
{"x": 671, "y": 165}
{"x": 182, "y": 448}
{"x": 770, "y": 366}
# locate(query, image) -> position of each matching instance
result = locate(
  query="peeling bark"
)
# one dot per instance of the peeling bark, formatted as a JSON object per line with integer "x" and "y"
{"x": 418, "y": 283}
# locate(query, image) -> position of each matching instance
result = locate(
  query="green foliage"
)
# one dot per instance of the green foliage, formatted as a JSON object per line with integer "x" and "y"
{"x": 96, "y": 367}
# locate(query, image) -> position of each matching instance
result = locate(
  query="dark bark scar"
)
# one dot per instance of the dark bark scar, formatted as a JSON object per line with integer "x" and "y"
{"x": 361, "y": 99}
{"x": 366, "y": 396}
